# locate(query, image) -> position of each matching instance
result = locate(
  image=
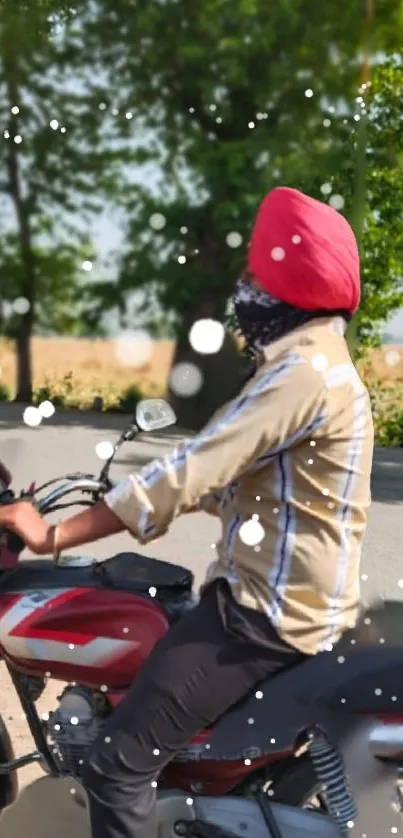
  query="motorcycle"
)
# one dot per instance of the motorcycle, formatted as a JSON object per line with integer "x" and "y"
{"x": 315, "y": 752}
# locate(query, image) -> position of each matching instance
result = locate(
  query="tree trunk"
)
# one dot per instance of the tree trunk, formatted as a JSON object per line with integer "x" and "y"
{"x": 222, "y": 373}
{"x": 24, "y": 360}
{"x": 28, "y": 288}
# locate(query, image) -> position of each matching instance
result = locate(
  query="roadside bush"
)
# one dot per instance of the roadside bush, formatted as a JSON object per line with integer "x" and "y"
{"x": 387, "y": 412}
{"x": 130, "y": 398}
{"x": 4, "y": 393}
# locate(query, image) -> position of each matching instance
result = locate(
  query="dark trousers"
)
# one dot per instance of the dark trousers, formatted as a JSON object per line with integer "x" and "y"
{"x": 209, "y": 660}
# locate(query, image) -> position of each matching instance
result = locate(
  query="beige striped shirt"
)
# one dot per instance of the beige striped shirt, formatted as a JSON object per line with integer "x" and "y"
{"x": 286, "y": 467}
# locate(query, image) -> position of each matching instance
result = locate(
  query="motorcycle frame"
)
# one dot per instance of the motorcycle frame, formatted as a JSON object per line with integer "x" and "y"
{"x": 43, "y": 753}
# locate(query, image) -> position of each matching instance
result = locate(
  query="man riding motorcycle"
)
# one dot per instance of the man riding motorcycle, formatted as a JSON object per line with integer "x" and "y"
{"x": 286, "y": 467}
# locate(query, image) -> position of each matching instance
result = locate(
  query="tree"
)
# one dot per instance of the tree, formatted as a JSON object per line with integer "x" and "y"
{"x": 57, "y": 157}
{"x": 235, "y": 100}
{"x": 63, "y": 306}
{"x": 382, "y": 234}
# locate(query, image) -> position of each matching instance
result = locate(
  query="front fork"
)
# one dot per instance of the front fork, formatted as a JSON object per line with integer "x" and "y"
{"x": 28, "y": 690}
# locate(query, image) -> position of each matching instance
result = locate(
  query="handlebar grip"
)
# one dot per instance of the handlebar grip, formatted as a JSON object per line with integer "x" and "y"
{"x": 14, "y": 542}
{"x": 11, "y": 541}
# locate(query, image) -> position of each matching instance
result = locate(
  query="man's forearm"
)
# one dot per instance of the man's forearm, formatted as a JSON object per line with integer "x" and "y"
{"x": 97, "y": 522}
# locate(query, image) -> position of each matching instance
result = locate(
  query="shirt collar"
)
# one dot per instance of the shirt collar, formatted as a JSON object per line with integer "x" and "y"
{"x": 315, "y": 331}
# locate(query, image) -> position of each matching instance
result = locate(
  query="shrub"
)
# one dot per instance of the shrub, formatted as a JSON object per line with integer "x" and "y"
{"x": 130, "y": 398}
{"x": 4, "y": 393}
{"x": 387, "y": 412}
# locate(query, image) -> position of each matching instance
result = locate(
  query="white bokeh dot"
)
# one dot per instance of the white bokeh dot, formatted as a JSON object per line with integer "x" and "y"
{"x": 392, "y": 357}
{"x": 251, "y": 533}
{"x": 21, "y": 305}
{"x": 183, "y": 230}
{"x": 309, "y": 93}
{"x": 133, "y": 348}
{"x": 46, "y": 409}
{"x": 32, "y": 417}
{"x": 326, "y": 188}
{"x": 234, "y": 240}
{"x": 104, "y": 450}
{"x": 296, "y": 239}
{"x": 337, "y": 202}
{"x": 277, "y": 254}
{"x": 152, "y": 591}
{"x": 338, "y": 326}
{"x": 185, "y": 379}
{"x": 320, "y": 362}
{"x": 182, "y": 260}
{"x": 157, "y": 221}
{"x": 259, "y": 695}
{"x": 54, "y": 124}
{"x": 207, "y": 336}
{"x": 87, "y": 265}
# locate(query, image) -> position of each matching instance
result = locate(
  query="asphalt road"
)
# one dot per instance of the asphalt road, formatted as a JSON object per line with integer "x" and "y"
{"x": 67, "y": 443}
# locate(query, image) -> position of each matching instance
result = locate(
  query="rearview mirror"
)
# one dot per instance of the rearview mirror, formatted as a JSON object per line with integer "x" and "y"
{"x": 154, "y": 414}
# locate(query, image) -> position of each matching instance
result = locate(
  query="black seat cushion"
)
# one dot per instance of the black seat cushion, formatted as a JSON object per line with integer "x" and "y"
{"x": 143, "y": 573}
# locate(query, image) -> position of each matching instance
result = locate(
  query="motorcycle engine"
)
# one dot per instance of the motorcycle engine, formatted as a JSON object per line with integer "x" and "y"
{"x": 74, "y": 726}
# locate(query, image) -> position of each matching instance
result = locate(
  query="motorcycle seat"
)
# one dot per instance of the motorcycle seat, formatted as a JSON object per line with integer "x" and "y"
{"x": 142, "y": 572}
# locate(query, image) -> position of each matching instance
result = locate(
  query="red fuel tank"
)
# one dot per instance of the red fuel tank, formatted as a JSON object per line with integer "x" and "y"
{"x": 93, "y": 636}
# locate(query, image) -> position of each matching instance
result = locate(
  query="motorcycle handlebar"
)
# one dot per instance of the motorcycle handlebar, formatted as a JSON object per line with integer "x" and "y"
{"x": 85, "y": 484}
{"x": 90, "y": 485}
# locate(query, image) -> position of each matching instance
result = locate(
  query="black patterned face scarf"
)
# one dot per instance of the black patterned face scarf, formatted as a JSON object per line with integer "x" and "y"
{"x": 263, "y": 319}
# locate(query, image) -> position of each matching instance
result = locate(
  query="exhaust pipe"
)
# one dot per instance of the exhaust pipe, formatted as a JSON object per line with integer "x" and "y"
{"x": 386, "y": 741}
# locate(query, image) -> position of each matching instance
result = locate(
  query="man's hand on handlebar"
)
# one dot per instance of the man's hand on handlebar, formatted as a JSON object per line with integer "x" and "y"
{"x": 22, "y": 518}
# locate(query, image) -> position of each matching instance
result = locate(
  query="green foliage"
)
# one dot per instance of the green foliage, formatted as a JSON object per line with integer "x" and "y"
{"x": 387, "y": 412}
{"x": 70, "y": 393}
{"x": 130, "y": 398}
{"x": 60, "y": 292}
{"x": 4, "y": 393}
{"x": 382, "y": 234}
{"x": 58, "y": 162}
{"x": 222, "y": 96}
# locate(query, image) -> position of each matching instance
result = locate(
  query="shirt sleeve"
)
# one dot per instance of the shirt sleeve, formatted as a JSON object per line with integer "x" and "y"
{"x": 281, "y": 405}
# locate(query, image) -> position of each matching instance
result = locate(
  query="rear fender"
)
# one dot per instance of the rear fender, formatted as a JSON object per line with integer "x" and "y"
{"x": 8, "y": 782}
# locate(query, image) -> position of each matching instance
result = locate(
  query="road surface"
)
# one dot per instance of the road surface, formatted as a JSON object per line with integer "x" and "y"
{"x": 46, "y": 808}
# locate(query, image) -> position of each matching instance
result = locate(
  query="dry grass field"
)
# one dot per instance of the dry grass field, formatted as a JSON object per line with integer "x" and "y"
{"x": 82, "y": 369}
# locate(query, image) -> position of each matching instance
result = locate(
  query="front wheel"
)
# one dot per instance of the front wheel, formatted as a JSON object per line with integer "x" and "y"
{"x": 8, "y": 782}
